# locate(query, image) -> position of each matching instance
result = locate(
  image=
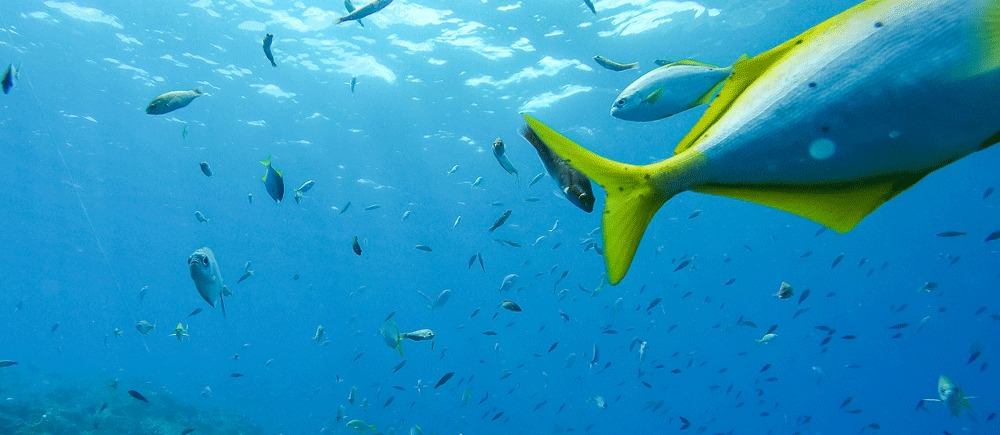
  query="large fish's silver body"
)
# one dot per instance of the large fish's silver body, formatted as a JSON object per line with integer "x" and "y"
{"x": 206, "y": 275}
{"x": 172, "y": 101}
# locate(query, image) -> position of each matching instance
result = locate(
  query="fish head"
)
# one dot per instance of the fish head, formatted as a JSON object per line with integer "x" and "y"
{"x": 580, "y": 196}
{"x": 946, "y": 388}
{"x": 498, "y": 147}
{"x": 156, "y": 107}
{"x": 205, "y": 273}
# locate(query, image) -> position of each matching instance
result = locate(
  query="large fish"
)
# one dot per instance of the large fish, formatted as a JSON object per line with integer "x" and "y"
{"x": 207, "y": 278}
{"x": 364, "y": 11}
{"x": 828, "y": 125}
{"x": 573, "y": 183}
{"x": 669, "y": 90}
{"x": 171, "y": 101}
{"x": 273, "y": 181}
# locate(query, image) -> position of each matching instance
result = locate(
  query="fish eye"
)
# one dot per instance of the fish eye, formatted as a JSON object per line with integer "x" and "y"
{"x": 620, "y": 102}
{"x": 204, "y": 261}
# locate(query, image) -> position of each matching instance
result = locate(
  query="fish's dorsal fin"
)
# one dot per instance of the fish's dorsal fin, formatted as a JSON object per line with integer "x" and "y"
{"x": 838, "y": 206}
{"x": 692, "y": 62}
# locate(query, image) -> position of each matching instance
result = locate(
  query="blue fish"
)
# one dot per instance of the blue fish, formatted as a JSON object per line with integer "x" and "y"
{"x": 350, "y": 8}
{"x": 8, "y": 78}
{"x": 273, "y": 182}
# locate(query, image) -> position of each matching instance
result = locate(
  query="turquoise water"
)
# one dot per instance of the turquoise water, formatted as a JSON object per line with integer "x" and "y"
{"x": 99, "y": 202}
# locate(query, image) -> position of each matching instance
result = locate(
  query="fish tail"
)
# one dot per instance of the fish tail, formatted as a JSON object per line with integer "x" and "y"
{"x": 266, "y": 162}
{"x": 632, "y": 195}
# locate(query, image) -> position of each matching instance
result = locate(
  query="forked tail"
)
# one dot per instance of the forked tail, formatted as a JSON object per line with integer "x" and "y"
{"x": 634, "y": 195}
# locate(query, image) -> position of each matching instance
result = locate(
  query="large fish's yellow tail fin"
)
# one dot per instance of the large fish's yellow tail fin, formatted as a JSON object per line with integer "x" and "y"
{"x": 632, "y": 195}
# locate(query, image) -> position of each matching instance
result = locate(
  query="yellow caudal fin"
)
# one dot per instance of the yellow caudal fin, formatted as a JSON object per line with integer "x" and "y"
{"x": 988, "y": 33}
{"x": 837, "y": 206}
{"x": 632, "y": 196}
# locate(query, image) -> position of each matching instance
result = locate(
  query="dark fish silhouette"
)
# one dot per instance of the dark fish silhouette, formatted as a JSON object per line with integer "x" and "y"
{"x": 573, "y": 183}
{"x": 444, "y": 379}
{"x": 267, "y": 49}
{"x": 137, "y": 396}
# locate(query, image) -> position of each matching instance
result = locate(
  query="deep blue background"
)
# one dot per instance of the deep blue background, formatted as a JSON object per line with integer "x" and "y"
{"x": 92, "y": 211}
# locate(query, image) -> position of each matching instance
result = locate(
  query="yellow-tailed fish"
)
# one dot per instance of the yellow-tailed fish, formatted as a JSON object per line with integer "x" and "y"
{"x": 828, "y": 125}
{"x": 669, "y": 90}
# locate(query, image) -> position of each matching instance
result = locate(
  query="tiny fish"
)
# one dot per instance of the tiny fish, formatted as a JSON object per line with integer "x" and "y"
{"x": 511, "y": 306}
{"x": 236, "y": 375}
{"x": 993, "y": 236}
{"x": 347, "y": 206}
{"x": 837, "y": 261}
{"x": 899, "y": 326}
{"x": 7, "y": 363}
{"x": 273, "y": 181}
{"x": 452, "y": 170}
{"x": 399, "y": 366}
{"x": 373, "y": 207}
{"x": 8, "y": 78}
{"x": 246, "y": 274}
{"x": 988, "y": 192}
{"x": 200, "y": 216}
{"x": 695, "y": 214}
{"x": 950, "y": 234}
{"x": 501, "y": 220}
{"x": 785, "y": 291}
{"x": 205, "y": 169}
{"x": 356, "y": 246}
{"x": 137, "y": 396}
{"x": 195, "y": 312}
{"x": 803, "y": 296}
{"x": 424, "y": 248}
{"x": 536, "y": 179}
{"x": 444, "y": 379}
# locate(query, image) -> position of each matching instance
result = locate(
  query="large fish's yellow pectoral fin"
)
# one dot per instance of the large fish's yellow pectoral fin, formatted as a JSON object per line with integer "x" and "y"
{"x": 839, "y": 206}
{"x": 632, "y": 198}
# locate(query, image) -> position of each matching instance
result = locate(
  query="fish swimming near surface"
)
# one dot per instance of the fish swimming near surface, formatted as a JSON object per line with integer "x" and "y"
{"x": 273, "y": 181}
{"x": 207, "y": 278}
{"x": 267, "y": 48}
{"x": 612, "y": 65}
{"x": 364, "y": 11}
{"x": 828, "y": 125}
{"x": 669, "y": 90}
{"x": 590, "y": 5}
{"x": 573, "y": 183}
{"x": 500, "y": 152}
{"x": 7, "y": 80}
{"x": 171, "y": 101}
{"x": 350, "y": 8}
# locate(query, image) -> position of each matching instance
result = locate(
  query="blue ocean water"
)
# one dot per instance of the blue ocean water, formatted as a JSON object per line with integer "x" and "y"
{"x": 99, "y": 202}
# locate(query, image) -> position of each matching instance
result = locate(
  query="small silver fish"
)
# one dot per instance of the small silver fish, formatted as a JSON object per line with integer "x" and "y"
{"x": 612, "y": 65}
{"x": 201, "y": 217}
{"x": 207, "y": 278}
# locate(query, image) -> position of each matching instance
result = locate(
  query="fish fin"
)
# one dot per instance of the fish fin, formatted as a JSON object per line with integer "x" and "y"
{"x": 632, "y": 196}
{"x": 653, "y": 96}
{"x": 362, "y": 24}
{"x": 692, "y": 62}
{"x": 199, "y": 90}
{"x": 707, "y": 96}
{"x": 266, "y": 162}
{"x": 837, "y": 206}
{"x": 746, "y": 71}
{"x": 222, "y": 302}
